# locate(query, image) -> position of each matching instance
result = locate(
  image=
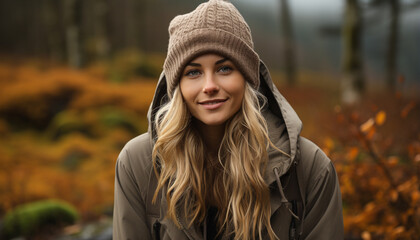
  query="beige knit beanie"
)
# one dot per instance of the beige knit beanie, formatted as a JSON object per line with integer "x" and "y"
{"x": 217, "y": 27}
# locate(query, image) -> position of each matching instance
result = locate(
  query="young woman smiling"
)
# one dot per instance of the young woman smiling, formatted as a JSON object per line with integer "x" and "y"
{"x": 223, "y": 157}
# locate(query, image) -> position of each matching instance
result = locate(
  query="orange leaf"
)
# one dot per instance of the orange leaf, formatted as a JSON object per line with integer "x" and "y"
{"x": 407, "y": 109}
{"x": 329, "y": 143}
{"x": 417, "y": 158}
{"x": 368, "y": 125}
{"x": 415, "y": 196}
{"x": 371, "y": 133}
{"x": 380, "y": 118}
{"x": 393, "y": 161}
{"x": 352, "y": 153}
{"x": 398, "y": 230}
{"x": 394, "y": 195}
{"x": 366, "y": 235}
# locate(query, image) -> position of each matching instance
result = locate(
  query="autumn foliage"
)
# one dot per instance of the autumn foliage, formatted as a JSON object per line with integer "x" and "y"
{"x": 61, "y": 131}
{"x": 378, "y": 161}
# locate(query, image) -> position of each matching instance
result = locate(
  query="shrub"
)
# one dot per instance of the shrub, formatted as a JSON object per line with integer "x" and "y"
{"x": 67, "y": 122}
{"x": 114, "y": 118}
{"x": 32, "y": 218}
{"x": 378, "y": 163}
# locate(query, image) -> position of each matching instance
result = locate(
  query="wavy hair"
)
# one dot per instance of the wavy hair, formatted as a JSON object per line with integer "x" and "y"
{"x": 238, "y": 186}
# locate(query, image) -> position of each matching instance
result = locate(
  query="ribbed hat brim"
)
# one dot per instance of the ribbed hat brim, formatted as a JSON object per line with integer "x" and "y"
{"x": 202, "y": 41}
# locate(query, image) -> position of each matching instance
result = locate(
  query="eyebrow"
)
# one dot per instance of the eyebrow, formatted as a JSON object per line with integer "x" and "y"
{"x": 221, "y": 61}
{"x": 198, "y": 65}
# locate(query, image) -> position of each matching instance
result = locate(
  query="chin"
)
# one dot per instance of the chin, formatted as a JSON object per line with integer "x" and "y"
{"x": 214, "y": 122}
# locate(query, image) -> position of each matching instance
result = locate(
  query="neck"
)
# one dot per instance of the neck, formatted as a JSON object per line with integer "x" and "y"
{"x": 212, "y": 136}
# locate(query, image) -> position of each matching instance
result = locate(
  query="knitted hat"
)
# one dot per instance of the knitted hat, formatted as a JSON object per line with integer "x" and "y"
{"x": 216, "y": 27}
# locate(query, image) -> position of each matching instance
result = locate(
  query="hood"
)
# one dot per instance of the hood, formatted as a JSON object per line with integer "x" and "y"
{"x": 283, "y": 122}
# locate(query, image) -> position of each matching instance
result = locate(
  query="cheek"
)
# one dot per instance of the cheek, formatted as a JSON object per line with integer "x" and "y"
{"x": 184, "y": 89}
{"x": 188, "y": 92}
{"x": 240, "y": 99}
{"x": 238, "y": 90}
{"x": 236, "y": 83}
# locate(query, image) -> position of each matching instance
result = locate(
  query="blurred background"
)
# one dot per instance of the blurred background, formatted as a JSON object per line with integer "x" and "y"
{"x": 77, "y": 78}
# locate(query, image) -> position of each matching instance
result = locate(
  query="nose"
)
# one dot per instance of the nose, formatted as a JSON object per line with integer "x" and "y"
{"x": 210, "y": 85}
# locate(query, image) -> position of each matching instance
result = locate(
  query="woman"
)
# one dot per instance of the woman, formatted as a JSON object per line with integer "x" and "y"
{"x": 223, "y": 158}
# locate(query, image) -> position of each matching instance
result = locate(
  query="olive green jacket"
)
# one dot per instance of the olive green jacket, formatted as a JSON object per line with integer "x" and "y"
{"x": 304, "y": 184}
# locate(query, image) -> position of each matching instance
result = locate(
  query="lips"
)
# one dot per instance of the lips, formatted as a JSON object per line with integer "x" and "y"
{"x": 212, "y": 104}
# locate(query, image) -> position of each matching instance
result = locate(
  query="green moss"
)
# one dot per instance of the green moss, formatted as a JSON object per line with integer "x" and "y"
{"x": 29, "y": 219}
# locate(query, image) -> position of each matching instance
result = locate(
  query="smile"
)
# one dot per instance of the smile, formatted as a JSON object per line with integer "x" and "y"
{"x": 212, "y": 104}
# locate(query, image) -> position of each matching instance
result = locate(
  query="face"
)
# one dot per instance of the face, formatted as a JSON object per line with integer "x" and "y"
{"x": 213, "y": 89}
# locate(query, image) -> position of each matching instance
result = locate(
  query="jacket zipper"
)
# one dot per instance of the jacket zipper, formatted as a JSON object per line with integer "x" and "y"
{"x": 156, "y": 229}
{"x": 292, "y": 229}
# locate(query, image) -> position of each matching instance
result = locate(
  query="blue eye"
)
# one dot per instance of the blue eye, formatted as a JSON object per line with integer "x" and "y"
{"x": 192, "y": 73}
{"x": 225, "y": 69}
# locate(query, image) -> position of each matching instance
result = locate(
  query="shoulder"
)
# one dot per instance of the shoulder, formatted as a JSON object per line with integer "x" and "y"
{"x": 135, "y": 161}
{"x": 322, "y": 204}
{"x": 311, "y": 155}
{"x": 313, "y": 162}
{"x": 137, "y": 151}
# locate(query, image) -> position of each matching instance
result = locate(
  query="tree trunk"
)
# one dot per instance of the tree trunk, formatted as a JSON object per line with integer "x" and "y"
{"x": 53, "y": 24}
{"x": 391, "y": 60}
{"x": 288, "y": 43}
{"x": 72, "y": 10}
{"x": 94, "y": 30}
{"x": 352, "y": 82}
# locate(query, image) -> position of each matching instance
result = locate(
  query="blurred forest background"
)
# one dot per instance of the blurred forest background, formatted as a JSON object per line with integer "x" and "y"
{"x": 77, "y": 78}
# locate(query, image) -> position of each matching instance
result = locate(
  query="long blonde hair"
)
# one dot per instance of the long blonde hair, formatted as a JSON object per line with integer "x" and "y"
{"x": 239, "y": 187}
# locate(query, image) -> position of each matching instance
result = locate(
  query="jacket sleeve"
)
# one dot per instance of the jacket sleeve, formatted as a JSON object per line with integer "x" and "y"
{"x": 323, "y": 211}
{"x": 129, "y": 218}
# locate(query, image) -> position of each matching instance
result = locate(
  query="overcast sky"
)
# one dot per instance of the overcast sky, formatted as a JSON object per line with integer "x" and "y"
{"x": 307, "y": 7}
{"x": 309, "y": 15}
